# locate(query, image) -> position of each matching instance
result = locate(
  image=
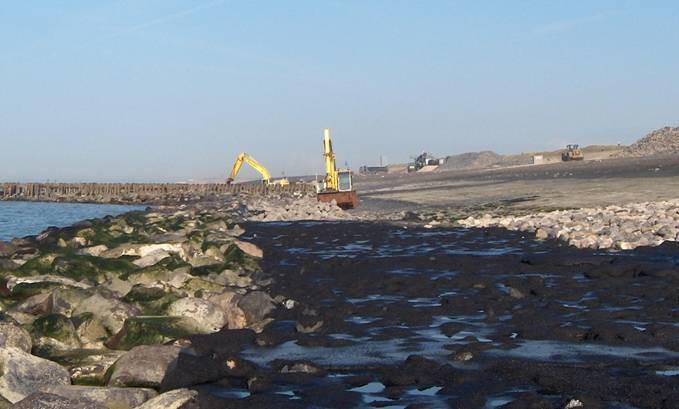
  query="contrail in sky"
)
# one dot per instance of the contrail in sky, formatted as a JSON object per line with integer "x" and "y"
{"x": 569, "y": 24}
{"x": 166, "y": 18}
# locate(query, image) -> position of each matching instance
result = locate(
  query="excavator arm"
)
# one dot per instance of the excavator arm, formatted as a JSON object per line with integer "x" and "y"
{"x": 245, "y": 158}
{"x": 331, "y": 182}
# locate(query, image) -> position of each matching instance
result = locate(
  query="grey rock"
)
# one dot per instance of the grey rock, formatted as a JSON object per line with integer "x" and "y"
{"x": 91, "y": 369}
{"x": 151, "y": 259}
{"x": 256, "y": 306}
{"x": 7, "y": 249}
{"x": 206, "y": 316}
{"x": 14, "y": 336}
{"x": 95, "y": 251}
{"x": 144, "y": 366}
{"x": 41, "y": 400}
{"x": 112, "y": 398}
{"x": 23, "y": 374}
{"x": 8, "y": 265}
{"x": 228, "y": 302}
{"x": 176, "y": 399}
{"x": 111, "y": 312}
{"x": 53, "y": 279}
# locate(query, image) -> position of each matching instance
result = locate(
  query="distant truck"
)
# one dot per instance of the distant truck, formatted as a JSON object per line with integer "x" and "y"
{"x": 573, "y": 152}
{"x": 367, "y": 170}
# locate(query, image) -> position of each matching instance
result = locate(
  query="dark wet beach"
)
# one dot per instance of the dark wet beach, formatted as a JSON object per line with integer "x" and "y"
{"x": 402, "y": 316}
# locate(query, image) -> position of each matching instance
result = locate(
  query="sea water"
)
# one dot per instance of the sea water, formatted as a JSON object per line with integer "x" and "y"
{"x": 19, "y": 219}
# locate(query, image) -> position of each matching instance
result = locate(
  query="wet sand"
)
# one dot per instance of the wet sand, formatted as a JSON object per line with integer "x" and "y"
{"x": 400, "y": 316}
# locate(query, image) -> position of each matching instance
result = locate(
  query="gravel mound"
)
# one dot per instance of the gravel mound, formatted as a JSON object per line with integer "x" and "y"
{"x": 278, "y": 209}
{"x": 660, "y": 141}
{"x": 614, "y": 227}
{"x": 471, "y": 160}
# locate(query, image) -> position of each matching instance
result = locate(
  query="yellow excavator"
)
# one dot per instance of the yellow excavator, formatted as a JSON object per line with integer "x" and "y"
{"x": 266, "y": 176}
{"x": 338, "y": 184}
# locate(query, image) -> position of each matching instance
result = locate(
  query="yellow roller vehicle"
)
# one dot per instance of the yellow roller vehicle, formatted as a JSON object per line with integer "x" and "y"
{"x": 266, "y": 176}
{"x": 573, "y": 152}
{"x": 338, "y": 184}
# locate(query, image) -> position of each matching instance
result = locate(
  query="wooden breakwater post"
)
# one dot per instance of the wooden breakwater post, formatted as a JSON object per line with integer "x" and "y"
{"x": 136, "y": 192}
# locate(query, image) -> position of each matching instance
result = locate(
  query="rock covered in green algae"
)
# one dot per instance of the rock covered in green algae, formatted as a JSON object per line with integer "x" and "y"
{"x": 53, "y": 332}
{"x": 133, "y": 281}
{"x": 150, "y": 331}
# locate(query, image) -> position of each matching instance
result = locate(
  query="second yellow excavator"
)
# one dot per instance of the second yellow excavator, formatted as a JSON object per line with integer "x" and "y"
{"x": 338, "y": 184}
{"x": 266, "y": 176}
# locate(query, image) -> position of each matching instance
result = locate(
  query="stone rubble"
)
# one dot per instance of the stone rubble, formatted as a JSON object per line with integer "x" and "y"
{"x": 661, "y": 141}
{"x": 116, "y": 300}
{"x": 620, "y": 227}
{"x": 296, "y": 208}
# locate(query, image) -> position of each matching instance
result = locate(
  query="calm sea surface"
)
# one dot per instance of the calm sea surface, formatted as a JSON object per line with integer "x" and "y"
{"x": 19, "y": 219}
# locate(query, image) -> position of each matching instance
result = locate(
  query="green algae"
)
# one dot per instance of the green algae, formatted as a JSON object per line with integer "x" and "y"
{"x": 55, "y": 326}
{"x": 149, "y": 331}
{"x": 142, "y": 294}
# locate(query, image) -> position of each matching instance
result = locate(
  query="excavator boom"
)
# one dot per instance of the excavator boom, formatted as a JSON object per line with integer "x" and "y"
{"x": 331, "y": 182}
{"x": 245, "y": 158}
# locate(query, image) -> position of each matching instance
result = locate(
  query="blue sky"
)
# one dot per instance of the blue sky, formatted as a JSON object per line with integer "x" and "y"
{"x": 169, "y": 90}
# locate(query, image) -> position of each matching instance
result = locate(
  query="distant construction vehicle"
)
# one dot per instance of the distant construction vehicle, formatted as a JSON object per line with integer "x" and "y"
{"x": 424, "y": 160}
{"x": 266, "y": 176}
{"x": 573, "y": 152}
{"x": 338, "y": 184}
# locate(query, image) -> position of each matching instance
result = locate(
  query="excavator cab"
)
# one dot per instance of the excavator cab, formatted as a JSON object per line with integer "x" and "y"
{"x": 345, "y": 180}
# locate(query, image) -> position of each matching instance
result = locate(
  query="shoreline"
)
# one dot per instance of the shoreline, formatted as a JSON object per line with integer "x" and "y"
{"x": 181, "y": 304}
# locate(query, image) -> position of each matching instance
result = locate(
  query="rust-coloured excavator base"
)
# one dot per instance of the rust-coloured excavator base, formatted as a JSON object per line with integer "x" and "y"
{"x": 345, "y": 200}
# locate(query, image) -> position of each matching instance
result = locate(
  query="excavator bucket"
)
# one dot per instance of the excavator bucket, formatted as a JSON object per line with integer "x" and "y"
{"x": 345, "y": 200}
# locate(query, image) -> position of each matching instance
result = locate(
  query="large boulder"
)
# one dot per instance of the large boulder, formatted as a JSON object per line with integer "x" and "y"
{"x": 94, "y": 251}
{"x": 13, "y": 336}
{"x": 151, "y": 258}
{"x": 53, "y": 332}
{"x": 150, "y": 331}
{"x": 111, "y": 312}
{"x": 117, "y": 286}
{"x": 169, "y": 279}
{"x": 207, "y": 317}
{"x": 42, "y": 400}
{"x": 89, "y": 367}
{"x": 143, "y": 250}
{"x": 7, "y": 249}
{"x": 112, "y": 398}
{"x": 176, "y": 399}
{"x": 24, "y": 374}
{"x": 38, "y": 304}
{"x": 8, "y": 264}
{"x": 91, "y": 332}
{"x": 250, "y": 249}
{"x": 46, "y": 279}
{"x": 228, "y": 302}
{"x": 256, "y": 306}
{"x": 144, "y": 366}
{"x": 65, "y": 300}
